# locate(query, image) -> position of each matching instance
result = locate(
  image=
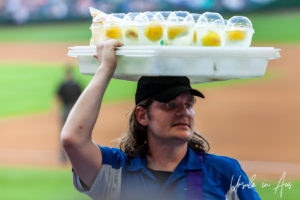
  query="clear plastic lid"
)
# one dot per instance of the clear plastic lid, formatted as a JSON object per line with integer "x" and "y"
{"x": 141, "y": 19}
{"x": 239, "y": 22}
{"x": 129, "y": 18}
{"x": 157, "y": 17}
{"x": 211, "y": 20}
{"x": 212, "y": 17}
{"x": 202, "y": 21}
{"x": 189, "y": 19}
{"x": 180, "y": 17}
{"x": 172, "y": 18}
{"x": 114, "y": 19}
{"x": 218, "y": 24}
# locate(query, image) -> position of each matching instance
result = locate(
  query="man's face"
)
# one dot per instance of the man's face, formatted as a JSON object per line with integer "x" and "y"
{"x": 172, "y": 120}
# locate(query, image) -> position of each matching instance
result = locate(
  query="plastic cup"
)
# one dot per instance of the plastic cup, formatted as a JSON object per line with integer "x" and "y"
{"x": 180, "y": 29}
{"x": 150, "y": 28}
{"x": 97, "y": 31}
{"x": 97, "y": 26}
{"x": 131, "y": 35}
{"x": 113, "y": 26}
{"x": 210, "y": 29}
{"x": 238, "y": 32}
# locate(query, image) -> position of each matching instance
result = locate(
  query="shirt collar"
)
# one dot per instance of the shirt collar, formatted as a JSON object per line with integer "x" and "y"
{"x": 189, "y": 162}
{"x": 137, "y": 163}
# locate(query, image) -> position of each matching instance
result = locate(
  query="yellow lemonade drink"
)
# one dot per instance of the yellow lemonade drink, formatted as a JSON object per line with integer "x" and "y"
{"x": 238, "y": 32}
{"x": 154, "y": 32}
{"x": 210, "y": 30}
{"x": 113, "y": 26}
{"x": 131, "y": 36}
{"x": 180, "y": 29}
{"x": 152, "y": 28}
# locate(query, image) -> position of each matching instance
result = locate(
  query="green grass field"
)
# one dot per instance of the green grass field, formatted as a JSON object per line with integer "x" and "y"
{"x": 49, "y": 184}
{"x": 276, "y": 27}
{"x": 36, "y": 183}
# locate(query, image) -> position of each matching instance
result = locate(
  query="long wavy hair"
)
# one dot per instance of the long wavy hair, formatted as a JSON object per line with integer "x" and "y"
{"x": 135, "y": 142}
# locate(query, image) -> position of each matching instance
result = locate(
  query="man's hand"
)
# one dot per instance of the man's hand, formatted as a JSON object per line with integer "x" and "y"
{"x": 106, "y": 54}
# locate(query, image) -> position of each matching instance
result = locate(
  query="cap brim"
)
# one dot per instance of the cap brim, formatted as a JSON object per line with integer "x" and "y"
{"x": 168, "y": 95}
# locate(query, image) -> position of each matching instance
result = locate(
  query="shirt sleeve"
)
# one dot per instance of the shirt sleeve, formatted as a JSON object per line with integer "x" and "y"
{"x": 107, "y": 184}
{"x": 241, "y": 187}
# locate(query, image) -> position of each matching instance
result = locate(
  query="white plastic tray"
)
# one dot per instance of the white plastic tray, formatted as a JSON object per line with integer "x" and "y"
{"x": 200, "y": 64}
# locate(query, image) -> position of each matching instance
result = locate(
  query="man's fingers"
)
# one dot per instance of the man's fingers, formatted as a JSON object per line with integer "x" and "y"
{"x": 107, "y": 44}
{"x": 118, "y": 44}
{"x": 115, "y": 43}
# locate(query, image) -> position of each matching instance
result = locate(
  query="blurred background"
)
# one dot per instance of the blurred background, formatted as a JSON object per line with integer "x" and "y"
{"x": 253, "y": 120}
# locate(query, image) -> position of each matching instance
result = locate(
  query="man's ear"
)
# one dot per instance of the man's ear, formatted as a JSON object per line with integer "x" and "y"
{"x": 141, "y": 115}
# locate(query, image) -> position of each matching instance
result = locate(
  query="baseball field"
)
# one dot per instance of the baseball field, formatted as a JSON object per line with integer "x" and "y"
{"x": 254, "y": 120}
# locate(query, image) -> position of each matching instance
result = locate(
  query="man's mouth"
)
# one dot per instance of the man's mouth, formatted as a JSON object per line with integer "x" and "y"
{"x": 181, "y": 124}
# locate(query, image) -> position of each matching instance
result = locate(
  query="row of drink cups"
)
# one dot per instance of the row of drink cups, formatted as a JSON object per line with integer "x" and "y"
{"x": 178, "y": 28}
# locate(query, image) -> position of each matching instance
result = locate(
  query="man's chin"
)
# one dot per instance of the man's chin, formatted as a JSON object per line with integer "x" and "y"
{"x": 184, "y": 136}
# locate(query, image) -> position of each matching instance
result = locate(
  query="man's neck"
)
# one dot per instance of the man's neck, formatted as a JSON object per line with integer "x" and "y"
{"x": 165, "y": 157}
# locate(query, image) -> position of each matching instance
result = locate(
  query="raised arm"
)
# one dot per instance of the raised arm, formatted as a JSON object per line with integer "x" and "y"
{"x": 76, "y": 136}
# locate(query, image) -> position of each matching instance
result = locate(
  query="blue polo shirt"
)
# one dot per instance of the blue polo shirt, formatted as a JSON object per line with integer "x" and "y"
{"x": 126, "y": 178}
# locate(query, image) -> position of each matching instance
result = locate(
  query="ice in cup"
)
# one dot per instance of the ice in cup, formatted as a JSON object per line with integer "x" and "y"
{"x": 151, "y": 28}
{"x": 97, "y": 26}
{"x": 113, "y": 26}
{"x": 210, "y": 29}
{"x": 130, "y": 30}
{"x": 238, "y": 32}
{"x": 180, "y": 26}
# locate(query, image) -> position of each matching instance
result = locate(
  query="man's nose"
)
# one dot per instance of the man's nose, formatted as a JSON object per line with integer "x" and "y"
{"x": 182, "y": 109}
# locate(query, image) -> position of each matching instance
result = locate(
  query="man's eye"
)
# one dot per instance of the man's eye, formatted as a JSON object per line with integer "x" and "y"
{"x": 170, "y": 105}
{"x": 188, "y": 105}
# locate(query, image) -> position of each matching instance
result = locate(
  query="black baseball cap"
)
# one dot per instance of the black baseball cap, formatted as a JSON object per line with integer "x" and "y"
{"x": 163, "y": 88}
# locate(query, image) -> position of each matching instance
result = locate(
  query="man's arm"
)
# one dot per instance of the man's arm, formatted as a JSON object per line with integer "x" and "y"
{"x": 76, "y": 136}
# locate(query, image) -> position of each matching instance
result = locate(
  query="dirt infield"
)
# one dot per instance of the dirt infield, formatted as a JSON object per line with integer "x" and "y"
{"x": 39, "y": 52}
{"x": 256, "y": 121}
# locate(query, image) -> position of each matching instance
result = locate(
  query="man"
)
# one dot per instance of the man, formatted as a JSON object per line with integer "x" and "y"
{"x": 161, "y": 157}
{"x": 67, "y": 93}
